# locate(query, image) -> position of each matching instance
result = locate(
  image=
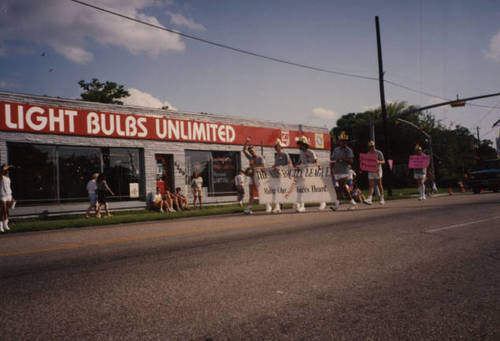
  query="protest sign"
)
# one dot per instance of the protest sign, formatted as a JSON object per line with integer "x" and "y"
{"x": 368, "y": 162}
{"x": 305, "y": 184}
{"x": 419, "y": 161}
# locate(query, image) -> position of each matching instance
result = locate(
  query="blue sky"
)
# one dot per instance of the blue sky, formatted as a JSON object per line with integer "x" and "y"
{"x": 441, "y": 48}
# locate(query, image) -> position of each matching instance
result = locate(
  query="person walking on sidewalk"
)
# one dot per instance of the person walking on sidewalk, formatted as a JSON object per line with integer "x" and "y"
{"x": 92, "y": 191}
{"x": 102, "y": 196}
{"x": 375, "y": 178}
{"x": 255, "y": 161}
{"x": 6, "y": 197}
{"x": 281, "y": 159}
{"x": 342, "y": 158}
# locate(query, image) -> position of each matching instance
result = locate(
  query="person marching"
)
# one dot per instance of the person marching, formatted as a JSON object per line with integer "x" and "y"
{"x": 419, "y": 174}
{"x": 375, "y": 178}
{"x": 342, "y": 158}
{"x": 6, "y": 197}
{"x": 307, "y": 157}
{"x": 281, "y": 158}
{"x": 255, "y": 161}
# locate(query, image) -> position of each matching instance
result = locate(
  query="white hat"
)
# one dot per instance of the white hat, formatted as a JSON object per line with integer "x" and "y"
{"x": 302, "y": 140}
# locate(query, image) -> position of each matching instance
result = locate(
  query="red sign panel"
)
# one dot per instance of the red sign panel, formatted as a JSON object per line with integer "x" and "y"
{"x": 63, "y": 121}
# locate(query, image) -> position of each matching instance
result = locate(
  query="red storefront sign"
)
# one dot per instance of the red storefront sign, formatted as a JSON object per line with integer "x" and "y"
{"x": 63, "y": 121}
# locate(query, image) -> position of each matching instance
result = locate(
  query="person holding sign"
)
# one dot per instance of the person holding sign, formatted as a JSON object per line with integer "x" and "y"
{"x": 281, "y": 159}
{"x": 254, "y": 161}
{"x": 419, "y": 165}
{"x": 375, "y": 177}
{"x": 342, "y": 158}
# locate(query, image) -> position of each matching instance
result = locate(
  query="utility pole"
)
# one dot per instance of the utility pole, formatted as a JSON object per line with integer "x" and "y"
{"x": 478, "y": 145}
{"x": 387, "y": 146}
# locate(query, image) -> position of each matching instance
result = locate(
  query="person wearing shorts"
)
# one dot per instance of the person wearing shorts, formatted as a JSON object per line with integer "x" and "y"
{"x": 102, "y": 196}
{"x": 92, "y": 191}
{"x": 375, "y": 178}
{"x": 420, "y": 174}
{"x": 196, "y": 186}
{"x": 342, "y": 158}
{"x": 7, "y": 200}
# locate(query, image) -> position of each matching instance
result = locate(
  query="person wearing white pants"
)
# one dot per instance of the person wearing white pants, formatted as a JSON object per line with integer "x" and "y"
{"x": 307, "y": 157}
{"x": 281, "y": 159}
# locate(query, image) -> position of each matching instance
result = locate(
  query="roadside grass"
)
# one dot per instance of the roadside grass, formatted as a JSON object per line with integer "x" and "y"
{"x": 123, "y": 217}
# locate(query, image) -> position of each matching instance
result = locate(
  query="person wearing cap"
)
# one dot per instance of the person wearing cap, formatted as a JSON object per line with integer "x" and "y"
{"x": 375, "y": 177}
{"x": 6, "y": 197}
{"x": 281, "y": 159}
{"x": 92, "y": 191}
{"x": 307, "y": 157}
{"x": 342, "y": 158}
{"x": 254, "y": 161}
{"x": 420, "y": 174}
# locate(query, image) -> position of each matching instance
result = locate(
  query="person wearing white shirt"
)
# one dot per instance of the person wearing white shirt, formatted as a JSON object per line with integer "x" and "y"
{"x": 92, "y": 191}
{"x": 5, "y": 197}
{"x": 240, "y": 181}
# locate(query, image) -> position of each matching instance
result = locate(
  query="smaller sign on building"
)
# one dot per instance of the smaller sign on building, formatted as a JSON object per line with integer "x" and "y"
{"x": 134, "y": 189}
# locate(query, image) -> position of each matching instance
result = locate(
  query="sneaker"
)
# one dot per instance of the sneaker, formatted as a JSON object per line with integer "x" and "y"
{"x": 6, "y": 225}
{"x": 354, "y": 203}
{"x": 171, "y": 209}
{"x": 368, "y": 201}
{"x": 248, "y": 211}
{"x": 268, "y": 208}
{"x": 382, "y": 201}
{"x": 300, "y": 209}
{"x": 335, "y": 206}
{"x": 322, "y": 206}
{"x": 1, "y": 226}
{"x": 240, "y": 203}
{"x": 277, "y": 208}
{"x": 161, "y": 210}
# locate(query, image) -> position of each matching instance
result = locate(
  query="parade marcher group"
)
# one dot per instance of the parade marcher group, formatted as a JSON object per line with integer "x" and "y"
{"x": 341, "y": 162}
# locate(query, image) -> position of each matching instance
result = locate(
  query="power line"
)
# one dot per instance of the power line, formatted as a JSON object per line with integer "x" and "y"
{"x": 234, "y": 49}
{"x": 278, "y": 60}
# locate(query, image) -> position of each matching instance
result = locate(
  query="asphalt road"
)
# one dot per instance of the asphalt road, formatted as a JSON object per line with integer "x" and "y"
{"x": 408, "y": 270}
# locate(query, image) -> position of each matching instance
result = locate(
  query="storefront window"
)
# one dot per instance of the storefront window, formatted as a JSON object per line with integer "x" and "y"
{"x": 217, "y": 168}
{"x": 46, "y": 173}
{"x": 76, "y": 164}
{"x": 34, "y": 177}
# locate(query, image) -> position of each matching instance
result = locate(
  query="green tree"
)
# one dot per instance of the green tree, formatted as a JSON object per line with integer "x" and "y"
{"x": 455, "y": 148}
{"x": 108, "y": 92}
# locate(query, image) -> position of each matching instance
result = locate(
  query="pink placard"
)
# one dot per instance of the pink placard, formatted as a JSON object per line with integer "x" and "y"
{"x": 419, "y": 161}
{"x": 368, "y": 162}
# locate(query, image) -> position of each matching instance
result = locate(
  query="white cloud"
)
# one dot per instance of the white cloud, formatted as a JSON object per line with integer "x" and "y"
{"x": 67, "y": 27}
{"x": 180, "y": 20}
{"x": 143, "y": 99}
{"x": 375, "y": 106}
{"x": 493, "y": 52}
{"x": 325, "y": 114}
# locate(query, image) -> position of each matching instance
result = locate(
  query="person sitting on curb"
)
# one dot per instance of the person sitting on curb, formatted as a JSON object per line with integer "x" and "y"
{"x": 182, "y": 201}
{"x": 159, "y": 203}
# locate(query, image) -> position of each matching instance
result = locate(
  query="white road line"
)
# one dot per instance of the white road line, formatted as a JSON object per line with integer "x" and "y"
{"x": 449, "y": 227}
